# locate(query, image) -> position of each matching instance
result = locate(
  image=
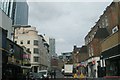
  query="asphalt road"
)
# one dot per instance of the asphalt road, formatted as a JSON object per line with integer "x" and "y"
{"x": 59, "y": 74}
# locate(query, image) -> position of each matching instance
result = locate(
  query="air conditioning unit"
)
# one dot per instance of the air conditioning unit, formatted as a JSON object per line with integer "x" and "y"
{"x": 115, "y": 29}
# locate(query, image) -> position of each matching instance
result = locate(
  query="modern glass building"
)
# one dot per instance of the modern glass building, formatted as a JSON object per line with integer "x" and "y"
{"x": 8, "y": 7}
{"x": 16, "y": 10}
{"x": 52, "y": 47}
{"x": 21, "y": 14}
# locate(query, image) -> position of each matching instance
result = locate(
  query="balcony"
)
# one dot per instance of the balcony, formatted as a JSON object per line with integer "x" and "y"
{"x": 110, "y": 41}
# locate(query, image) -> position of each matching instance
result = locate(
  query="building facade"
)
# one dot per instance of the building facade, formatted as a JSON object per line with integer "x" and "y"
{"x": 110, "y": 53}
{"x": 28, "y": 36}
{"x": 102, "y": 41}
{"x": 6, "y": 23}
{"x": 79, "y": 54}
{"x": 3, "y": 35}
{"x": 67, "y": 57}
{"x": 21, "y": 13}
{"x": 16, "y": 10}
{"x": 53, "y": 55}
{"x": 44, "y": 53}
{"x": 52, "y": 47}
{"x": 12, "y": 58}
{"x": 8, "y": 7}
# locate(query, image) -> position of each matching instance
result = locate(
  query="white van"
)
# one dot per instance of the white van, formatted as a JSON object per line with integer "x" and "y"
{"x": 44, "y": 73}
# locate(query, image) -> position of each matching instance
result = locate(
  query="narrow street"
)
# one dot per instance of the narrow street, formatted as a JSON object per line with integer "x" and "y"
{"x": 60, "y": 39}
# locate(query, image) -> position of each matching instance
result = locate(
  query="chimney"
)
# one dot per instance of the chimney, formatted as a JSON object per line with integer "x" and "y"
{"x": 75, "y": 47}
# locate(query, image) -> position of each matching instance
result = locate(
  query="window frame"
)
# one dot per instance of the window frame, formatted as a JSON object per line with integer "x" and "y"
{"x": 35, "y": 42}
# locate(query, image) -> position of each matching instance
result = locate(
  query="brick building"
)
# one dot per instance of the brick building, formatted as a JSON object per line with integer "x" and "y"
{"x": 79, "y": 54}
{"x": 102, "y": 38}
{"x": 110, "y": 53}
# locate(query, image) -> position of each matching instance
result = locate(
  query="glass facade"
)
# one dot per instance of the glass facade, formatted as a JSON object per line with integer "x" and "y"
{"x": 21, "y": 14}
{"x": 17, "y": 11}
{"x": 8, "y": 7}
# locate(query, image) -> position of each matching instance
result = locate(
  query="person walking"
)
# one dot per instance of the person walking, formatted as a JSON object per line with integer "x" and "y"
{"x": 54, "y": 73}
{"x": 51, "y": 74}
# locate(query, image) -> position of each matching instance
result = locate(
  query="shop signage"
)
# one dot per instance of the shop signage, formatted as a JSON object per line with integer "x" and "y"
{"x": 26, "y": 56}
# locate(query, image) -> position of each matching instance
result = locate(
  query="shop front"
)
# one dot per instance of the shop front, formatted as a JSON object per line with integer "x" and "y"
{"x": 81, "y": 69}
{"x": 112, "y": 61}
{"x": 113, "y": 66}
{"x": 92, "y": 67}
{"x": 11, "y": 68}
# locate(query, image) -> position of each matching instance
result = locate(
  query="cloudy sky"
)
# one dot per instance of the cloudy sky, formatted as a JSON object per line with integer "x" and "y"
{"x": 67, "y": 22}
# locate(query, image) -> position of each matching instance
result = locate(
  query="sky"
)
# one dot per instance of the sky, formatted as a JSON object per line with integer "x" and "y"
{"x": 68, "y": 22}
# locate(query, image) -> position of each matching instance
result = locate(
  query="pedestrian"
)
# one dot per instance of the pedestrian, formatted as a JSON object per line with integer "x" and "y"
{"x": 94, "y": 73}
{"x": 51, "y": 74}
{"x": 54, "y": 73}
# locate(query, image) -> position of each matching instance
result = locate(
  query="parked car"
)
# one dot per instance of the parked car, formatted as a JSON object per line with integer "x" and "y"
{"x": 35, "y": 76}
{"x": 44, "y": 73}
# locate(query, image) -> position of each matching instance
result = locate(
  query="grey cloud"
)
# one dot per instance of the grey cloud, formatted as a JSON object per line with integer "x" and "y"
{"x": 67, "y": 22}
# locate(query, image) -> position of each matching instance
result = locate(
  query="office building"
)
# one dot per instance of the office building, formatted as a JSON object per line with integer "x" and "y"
{"x": 16, "y": 10}
{"x": 6, "y": 23}
{"x": 52, "y": 47}
{"x": 21, "y": 13}
{"x": 28, "y": 36}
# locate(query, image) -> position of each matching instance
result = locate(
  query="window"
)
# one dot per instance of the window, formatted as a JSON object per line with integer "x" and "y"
{"x": 21, "y": 42}
{"x": 115, "y": 29}
{"x": 36, "y": 59}
{"x": 36, "y": 42}
{"x": 92, "y": 51}
{"x": 28, "y": 49}
{"x": 103, "y": 23}
{"x": 36, "y": 51}
{"x": 106, "y": 22}
{"x": 89, "y": 52}
{"x": 28, "y": 42}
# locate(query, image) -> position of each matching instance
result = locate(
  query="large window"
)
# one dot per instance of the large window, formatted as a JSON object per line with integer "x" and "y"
{"x": 36, "y": 59}
{"x": 36, "y": 42}
{"x": 36, "y": 51}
